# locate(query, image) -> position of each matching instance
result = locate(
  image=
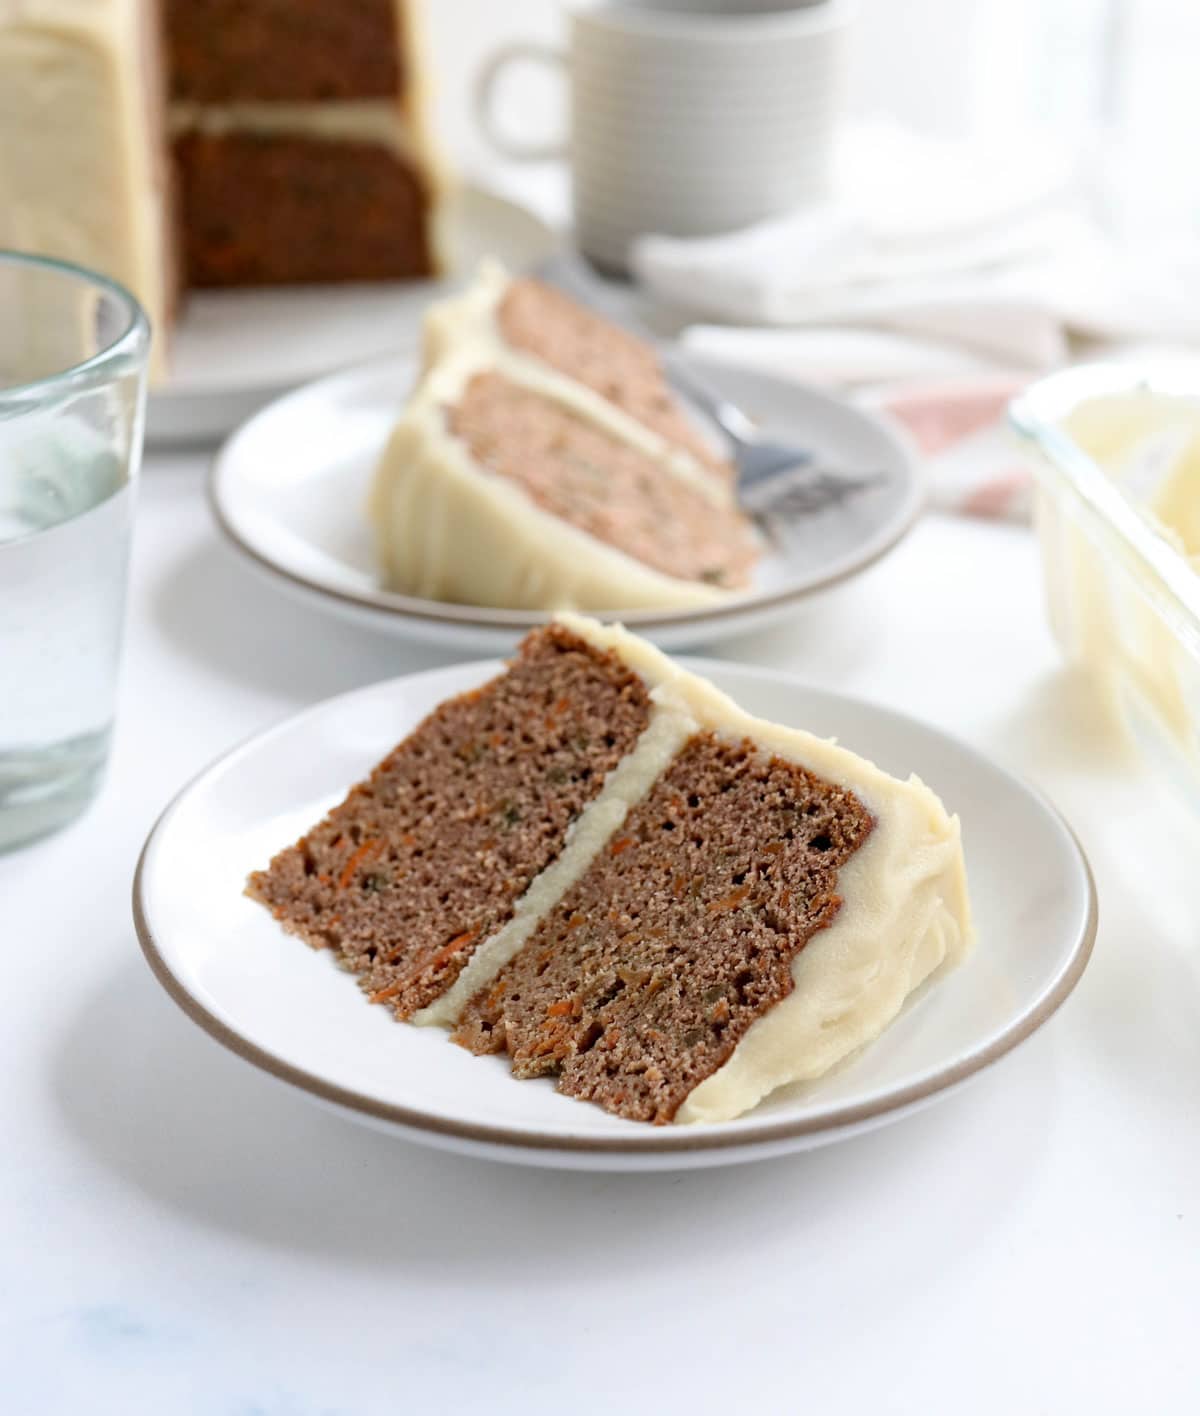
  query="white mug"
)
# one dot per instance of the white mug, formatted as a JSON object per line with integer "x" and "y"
{"x": 688, "y": 117}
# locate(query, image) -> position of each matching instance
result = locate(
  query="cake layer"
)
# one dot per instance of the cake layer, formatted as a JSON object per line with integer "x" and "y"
{"x": 586, "y": 477}
{"x": 642, "y": 980}
{"x": 83, "y": 173}
{"x": 433, "y": 853}
{"x": 286, "y": 50}
{"x": 272, "y": 209}
{"x": 543, "y": 322}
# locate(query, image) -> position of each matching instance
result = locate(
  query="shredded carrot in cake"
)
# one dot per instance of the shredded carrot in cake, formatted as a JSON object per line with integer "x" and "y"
{"x": 730, "y": 902}
{"x": 443, "y": 955}
{"x": 460, "y": 941}
{"x": 364, "y": 852}
{"x": 622, "y": 843}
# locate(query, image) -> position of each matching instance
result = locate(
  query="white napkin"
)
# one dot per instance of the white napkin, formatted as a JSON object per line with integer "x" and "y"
{"x": 836, "y": 358}
{"x": 966, "y": 246}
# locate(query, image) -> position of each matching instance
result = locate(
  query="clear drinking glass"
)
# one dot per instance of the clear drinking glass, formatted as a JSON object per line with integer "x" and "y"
{"x": 73, "y": 350}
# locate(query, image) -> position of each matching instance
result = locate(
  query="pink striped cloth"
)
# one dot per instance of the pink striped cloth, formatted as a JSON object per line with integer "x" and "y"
{"x": 953, "y": 404}
{"x": 974, "y": 463}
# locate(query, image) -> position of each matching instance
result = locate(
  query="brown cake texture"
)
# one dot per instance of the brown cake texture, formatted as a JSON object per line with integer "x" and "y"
{"x": 265, "y": 199}
{"x": 610, "y": 489}
{"x": 283, "y": 50}
{"x": 640, "y": 983}
{"x": 546, "y": 323}
{"x": 274, "y": 210}
{"x": 429, "y": 855}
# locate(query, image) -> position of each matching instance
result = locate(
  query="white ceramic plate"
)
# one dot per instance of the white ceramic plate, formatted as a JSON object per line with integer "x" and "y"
{"x": 289, "y": 490}
{"x": 291, "y": 1011}
{"x": 235, "y": 350}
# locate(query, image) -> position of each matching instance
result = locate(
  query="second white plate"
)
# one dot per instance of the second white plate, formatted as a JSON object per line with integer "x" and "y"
{"x": 287, "y": 1009}
{"x": 289, "y": 490}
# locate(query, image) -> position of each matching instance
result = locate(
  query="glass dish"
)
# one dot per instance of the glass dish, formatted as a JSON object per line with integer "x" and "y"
{"x": 1117, "y": 513}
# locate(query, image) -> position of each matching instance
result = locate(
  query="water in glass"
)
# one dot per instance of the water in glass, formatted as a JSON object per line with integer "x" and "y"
{"x": 68, "y": 457}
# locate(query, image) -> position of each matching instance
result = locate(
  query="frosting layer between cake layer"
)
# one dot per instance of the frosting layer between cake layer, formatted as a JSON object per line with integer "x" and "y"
{"x": 361, "y": 120}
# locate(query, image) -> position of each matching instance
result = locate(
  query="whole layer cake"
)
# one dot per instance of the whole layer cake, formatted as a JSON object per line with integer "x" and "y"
{"x": 216, "y": 142}
{"x": 599, "y": 866}
{"x": 543, "y": 462}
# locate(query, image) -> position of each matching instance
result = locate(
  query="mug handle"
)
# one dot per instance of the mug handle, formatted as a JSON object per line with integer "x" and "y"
{"x": 485, "y": 95}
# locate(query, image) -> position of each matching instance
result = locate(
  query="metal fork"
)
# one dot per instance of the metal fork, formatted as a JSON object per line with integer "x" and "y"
{"x": 776, "y": 482}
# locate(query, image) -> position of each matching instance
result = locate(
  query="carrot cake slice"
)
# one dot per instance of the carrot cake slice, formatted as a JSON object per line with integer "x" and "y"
{"x": 543, "y": 462}
{"x": 600, "y": 867}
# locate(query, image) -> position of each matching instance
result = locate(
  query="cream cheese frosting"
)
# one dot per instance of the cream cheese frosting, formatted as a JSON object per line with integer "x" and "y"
{"x": 376, "y": 121}
{"x": 80, "y": 176}
{"x": 905, "y": 913}
{"x": 447, "y": 529}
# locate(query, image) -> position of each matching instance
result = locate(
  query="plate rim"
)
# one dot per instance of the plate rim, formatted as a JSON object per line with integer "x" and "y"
{"x": 440, "y": 613}
{"x": 660, "y": 1141}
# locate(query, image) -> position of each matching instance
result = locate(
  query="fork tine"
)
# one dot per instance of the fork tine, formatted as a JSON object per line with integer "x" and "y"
{"x": 775, "y": 504}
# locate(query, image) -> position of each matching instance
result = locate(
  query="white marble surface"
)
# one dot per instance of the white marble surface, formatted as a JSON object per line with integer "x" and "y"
{"x": 179, "y": 1234}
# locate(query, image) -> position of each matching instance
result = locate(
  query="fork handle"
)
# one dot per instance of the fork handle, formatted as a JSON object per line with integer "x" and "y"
{"x": 727, "y": 416}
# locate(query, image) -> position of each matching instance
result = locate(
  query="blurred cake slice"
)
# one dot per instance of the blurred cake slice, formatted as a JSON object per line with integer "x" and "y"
{"x": 544, "y": 462}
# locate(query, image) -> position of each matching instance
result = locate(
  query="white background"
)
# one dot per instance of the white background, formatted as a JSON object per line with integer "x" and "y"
{"x": 931, "y": 63}
{"x": 1110, "y": 83}
{"x": 945, "y": 67}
